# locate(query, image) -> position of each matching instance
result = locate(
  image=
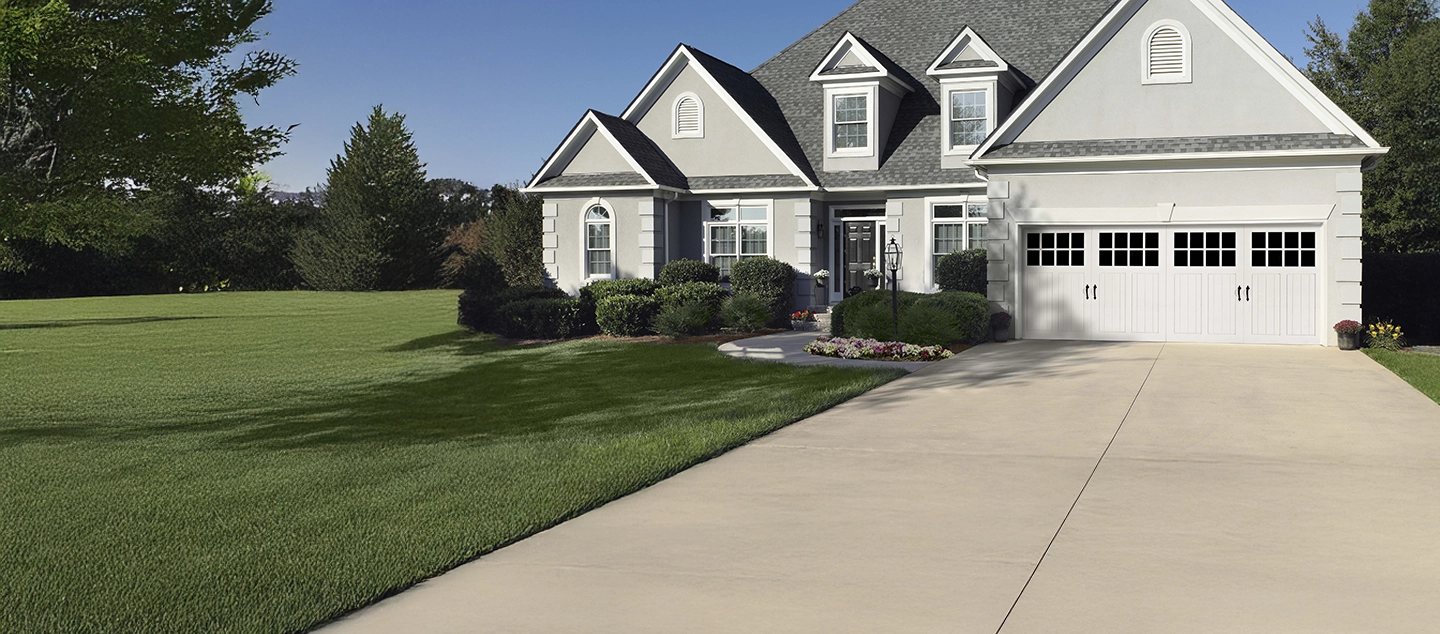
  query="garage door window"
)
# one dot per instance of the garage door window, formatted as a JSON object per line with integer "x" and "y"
{"x": 1287, "y": 249}
{"x": 1198, "y": 249}
{"x": 1130, "y": 249}
{"x": 1055, "y": 249}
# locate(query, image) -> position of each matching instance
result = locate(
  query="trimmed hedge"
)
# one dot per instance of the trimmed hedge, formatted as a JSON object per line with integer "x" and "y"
{"x": 964, "y": 272}
{"x": 693, "y": 292}
{"x": 626, "y": 315}
{"x": 689, "y": 271}
{"x": 686, "y": 319}
{"x": 772, "y": 281}
{"x": 545, "y": 319}
{"x": 526, "y": 293}
{"x": 924, "y": 319}
{"x": 745, "y": 313}
{"x": 1405, "y": 289}
{"x": 598, "y": 291}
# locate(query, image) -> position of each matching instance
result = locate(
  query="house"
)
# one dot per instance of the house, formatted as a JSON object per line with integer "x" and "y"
{"x": 1140, "y": 170}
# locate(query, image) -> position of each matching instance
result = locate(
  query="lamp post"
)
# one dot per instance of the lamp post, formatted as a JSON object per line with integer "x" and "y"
{"x": 892, "y": 262}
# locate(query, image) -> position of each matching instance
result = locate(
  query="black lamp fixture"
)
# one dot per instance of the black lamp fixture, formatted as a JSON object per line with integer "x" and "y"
{"x": 820, "y": 230}
{"x": 893, "y": 255}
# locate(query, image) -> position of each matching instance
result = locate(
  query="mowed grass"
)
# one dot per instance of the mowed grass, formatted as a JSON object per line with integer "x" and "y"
{"x": 1420, "y": 370}
{"x": 268, "y": 462}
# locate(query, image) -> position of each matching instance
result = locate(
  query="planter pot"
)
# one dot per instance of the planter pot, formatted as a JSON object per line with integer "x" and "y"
{"x": 1349, "y": 341}
{"x": 805, "y": 326}
{"x": 1001, "y": 335}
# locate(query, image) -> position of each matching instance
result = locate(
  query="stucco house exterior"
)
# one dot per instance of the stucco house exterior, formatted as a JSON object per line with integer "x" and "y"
{"x": 1140, "y": 170}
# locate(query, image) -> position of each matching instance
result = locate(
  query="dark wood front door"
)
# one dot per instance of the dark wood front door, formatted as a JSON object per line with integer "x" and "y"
{"x": 860, "y": 244}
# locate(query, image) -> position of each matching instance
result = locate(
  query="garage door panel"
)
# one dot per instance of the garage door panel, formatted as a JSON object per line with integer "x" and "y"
{"x": 1189, "y": 303}
{"x": 1114, "y": 301}
{"x": 1146, "y": 303}
{"x": 1267, "y": 305}
{"x": 1221, "y": 317}
{"x": 1300, "y": 305}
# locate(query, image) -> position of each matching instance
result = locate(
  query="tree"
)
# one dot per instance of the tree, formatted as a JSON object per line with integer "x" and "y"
{"x": 1386, "y": 74}
{"x": 514, "y": 234}
{"x": 101, "y": 101}
{"x": 383, "y": 223}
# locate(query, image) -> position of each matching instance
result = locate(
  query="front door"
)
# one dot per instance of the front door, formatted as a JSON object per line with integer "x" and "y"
{"x": 861, "y": 240}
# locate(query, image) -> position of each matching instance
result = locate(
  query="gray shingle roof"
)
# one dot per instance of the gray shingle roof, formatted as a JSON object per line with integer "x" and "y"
{"x": 1032, "y": 35}
{"x": 746, "y": 182}
{"x": 566, "y": 181}
{"x": 1179, "y": 145}
{"x": 969, "y": 63}
{"x": 848, "y": 70}
{"x": 650, "y": 157}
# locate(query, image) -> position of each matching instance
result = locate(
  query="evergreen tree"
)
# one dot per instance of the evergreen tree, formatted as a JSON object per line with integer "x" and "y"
{"x": 514, "y": 234}
{"x": 383, "y": 223}
{"x": 1386, "y": 74}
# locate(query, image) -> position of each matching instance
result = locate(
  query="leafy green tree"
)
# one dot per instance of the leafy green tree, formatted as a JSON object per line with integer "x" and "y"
{"x": 1386, "y": 74}
{"x": 383, "y": 224}
{"x": 102, "y": 100}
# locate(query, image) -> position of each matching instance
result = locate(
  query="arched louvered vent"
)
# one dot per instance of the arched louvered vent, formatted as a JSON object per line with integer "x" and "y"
{"x": 1167, "y": 55}
{"x": 689, "y": 117}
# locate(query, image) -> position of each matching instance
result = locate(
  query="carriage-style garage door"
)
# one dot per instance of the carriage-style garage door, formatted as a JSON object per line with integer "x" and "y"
{"x": 1203, "y": 284}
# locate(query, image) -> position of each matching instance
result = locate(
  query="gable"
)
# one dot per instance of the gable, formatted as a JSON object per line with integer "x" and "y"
{"x": 729, "y": 147}
{"x": 598, "y": 156}
{"x": 1230, "y": 93}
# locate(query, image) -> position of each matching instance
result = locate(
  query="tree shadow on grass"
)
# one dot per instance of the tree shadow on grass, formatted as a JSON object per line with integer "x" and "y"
{"x": 82, "y": 323}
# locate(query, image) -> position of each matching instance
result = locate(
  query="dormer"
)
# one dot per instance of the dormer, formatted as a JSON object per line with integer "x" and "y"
{"x": 863, "y": 91}
{"x": 977, "y": 90}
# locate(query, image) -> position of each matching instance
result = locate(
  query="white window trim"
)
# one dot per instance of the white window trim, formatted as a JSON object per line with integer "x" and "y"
{"x": 585, "y": 249}
{"x": 931, "y": 221}
{"x": 991, "y": 88}
{"x": 1188, "y": 47}
{"x": 675, "y": 117}
{"x": 871, "y": 92}
{"x": 706, "y": 224}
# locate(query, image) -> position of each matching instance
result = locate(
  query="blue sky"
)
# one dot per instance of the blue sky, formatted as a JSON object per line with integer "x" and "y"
{"x": 490, "y": 88}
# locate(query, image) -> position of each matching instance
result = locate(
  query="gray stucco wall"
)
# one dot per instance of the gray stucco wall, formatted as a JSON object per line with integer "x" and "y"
{"x": 1231, "y": 94}
{"x": 729, "y": 148}
{"x": 564, "y": 237}
{"x": 598, "y": 156}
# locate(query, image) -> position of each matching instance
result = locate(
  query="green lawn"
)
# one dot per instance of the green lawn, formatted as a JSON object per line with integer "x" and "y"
{"x": 267, "y": 462}
{"x": 1421, "y": 370}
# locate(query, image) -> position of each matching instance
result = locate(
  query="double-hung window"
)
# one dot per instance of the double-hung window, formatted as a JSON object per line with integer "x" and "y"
{"x": 958, "y": 227}
{"x": 599, "y": 245}
{"x": 852, "y": 122}
{"x": 735, "y": 233}
{"x": 969, "y": 118}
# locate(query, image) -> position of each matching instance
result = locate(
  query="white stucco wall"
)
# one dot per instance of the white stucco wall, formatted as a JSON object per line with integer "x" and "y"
{"x": 598, "y": 156}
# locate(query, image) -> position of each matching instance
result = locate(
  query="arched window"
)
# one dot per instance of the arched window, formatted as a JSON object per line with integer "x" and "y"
{"x": 1167, "y": 54}
{"x": 689, "y": 117}
{"x": 599, "y": 242}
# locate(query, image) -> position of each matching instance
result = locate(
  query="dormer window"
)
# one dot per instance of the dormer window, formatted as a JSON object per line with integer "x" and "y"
{"x": 1167, "y": 54}
{"x": 689, "y": 117}
{"x": 969, "y": 118}
{"x": 852, "y": 122}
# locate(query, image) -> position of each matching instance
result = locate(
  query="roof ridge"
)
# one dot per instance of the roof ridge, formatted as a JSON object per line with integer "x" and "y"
{"x": 807, "y": 36}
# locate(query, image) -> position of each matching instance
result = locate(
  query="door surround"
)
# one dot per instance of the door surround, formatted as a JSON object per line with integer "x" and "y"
{"x": 839, "y": 215}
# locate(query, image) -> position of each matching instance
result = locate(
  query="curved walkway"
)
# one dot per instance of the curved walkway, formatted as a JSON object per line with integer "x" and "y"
{"x": 789, "y": 347}
{"x": 1029, "y": 487}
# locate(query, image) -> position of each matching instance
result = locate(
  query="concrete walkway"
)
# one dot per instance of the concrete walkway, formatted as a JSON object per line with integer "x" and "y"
{"x": 789, "y": 347}
{"x": 1027, "y": 487}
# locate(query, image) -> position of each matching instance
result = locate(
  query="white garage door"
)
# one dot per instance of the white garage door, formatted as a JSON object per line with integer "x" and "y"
{"x": 1202, "y": 284}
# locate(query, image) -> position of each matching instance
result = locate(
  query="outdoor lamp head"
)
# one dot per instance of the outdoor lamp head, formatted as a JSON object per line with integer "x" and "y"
{"x": 893, "y": 255}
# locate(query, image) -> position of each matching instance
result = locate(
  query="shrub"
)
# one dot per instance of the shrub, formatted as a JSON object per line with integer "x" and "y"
{"x": 963, "y": 271}
{"x": 526, "y": 293}
{"x": 970, "y": 310}
{"x": 483, "y": 280}
{"x": 1395, "y": 291}
{"x": 626, "y": 315}
{"x": 686, "y": 319}
{"x": 598, "y": 291}
{"x": 543, "y": 319}
{"x": 924, "y": 319}
{"x": 692, "y": 292}
{"x": 770, "y": 280}
{"x": 688, "y": 271}
{"x": 744, "y": 312}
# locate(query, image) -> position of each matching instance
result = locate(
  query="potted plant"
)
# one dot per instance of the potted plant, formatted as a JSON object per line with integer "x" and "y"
{"x": 804, "y": 321}
{"x": 821, "y": 276}
{"x": 1000, "y": 327}
{"x": 1349, "y": 332}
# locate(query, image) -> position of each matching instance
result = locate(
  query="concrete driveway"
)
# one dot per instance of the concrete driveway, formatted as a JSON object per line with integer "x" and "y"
{"x": 1024, "y": 487}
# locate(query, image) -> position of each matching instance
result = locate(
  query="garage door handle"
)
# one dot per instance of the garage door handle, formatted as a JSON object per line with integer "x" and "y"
{"x": 1247, "y": 293}
{"x": 1097, "y": 291}
{"x": 1087, "y": 291}
{"x": 1237, "y": 293}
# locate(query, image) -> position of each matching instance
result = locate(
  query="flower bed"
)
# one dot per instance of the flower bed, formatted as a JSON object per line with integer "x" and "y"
{"x": 872, "y": 350}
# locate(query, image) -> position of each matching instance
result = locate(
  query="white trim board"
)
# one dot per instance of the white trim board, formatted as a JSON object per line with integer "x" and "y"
{"x": 1228, "y": 21}
{"x": 1171, "y": 215}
